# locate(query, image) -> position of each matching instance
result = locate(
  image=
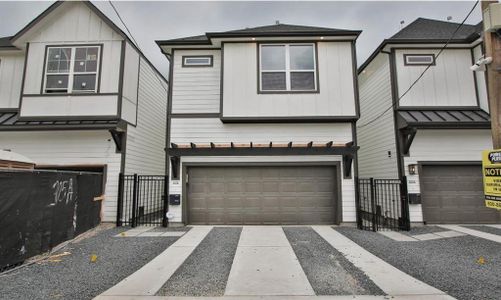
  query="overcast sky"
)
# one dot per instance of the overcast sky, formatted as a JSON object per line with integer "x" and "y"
{"x": 150, "y": 21}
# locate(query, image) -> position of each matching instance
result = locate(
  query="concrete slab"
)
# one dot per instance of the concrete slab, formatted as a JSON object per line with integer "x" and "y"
{"x": 152, "y": 276}
{"x": 397, "y": 236}
{"x": 173, "y": 233}
{"x": 263, "y": 236}
{"x": 427, "y": 236}
{"x": 498, "y": 226}
{"x": 262, "y": 268}
{"x": 350, "y": 297}
{"x": 150, "y": 234}
{"x": 134, "y": 231}
{"x": 473, "y": 232}
{"x": 390, "y": 279}
{"x": 450, "y": 234}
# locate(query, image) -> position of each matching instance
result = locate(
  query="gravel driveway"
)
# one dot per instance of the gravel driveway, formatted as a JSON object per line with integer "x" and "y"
{"x": 75, "y": 276}
{"x": 449, "y": 264}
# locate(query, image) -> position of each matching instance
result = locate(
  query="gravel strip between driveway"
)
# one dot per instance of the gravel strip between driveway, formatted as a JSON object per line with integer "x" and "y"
{"x": 415, "y": 230}
{"x": 485, "y": 229}
{"x": 449, "y": 264}
{"x": 75, "y": 277}
{"x": 205, "y": 272}
{"x": 328, "y": 271}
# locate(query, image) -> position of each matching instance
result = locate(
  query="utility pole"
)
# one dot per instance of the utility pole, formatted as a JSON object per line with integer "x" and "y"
{"x": 492, "y": 48}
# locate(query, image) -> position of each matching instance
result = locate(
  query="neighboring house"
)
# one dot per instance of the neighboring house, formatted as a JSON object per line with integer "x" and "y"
{"x": 262, "y": 126}
{"x": 75, "y": 93}
{"x": 435, "y": 134}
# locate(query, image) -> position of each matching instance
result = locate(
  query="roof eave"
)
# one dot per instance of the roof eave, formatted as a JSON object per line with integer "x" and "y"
{"x": 211, "y": 35}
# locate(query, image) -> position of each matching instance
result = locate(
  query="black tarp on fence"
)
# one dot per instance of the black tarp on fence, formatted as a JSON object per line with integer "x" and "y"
{"x": 41, "y": 209}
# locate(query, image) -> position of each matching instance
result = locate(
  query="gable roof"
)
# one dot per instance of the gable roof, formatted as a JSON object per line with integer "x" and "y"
{"x": 101, "y": 15}
{"x": 5, "y": 43}
{"x": 261, "y": 31}
{"x": 430, "y": 31}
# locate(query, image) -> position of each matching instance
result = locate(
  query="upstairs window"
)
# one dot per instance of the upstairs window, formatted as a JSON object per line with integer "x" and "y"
{"x": 72, "y": 69}
{"x": 287, "y": 68}
{"x": 419, "y": 59}
{"x": 197, "y": 61}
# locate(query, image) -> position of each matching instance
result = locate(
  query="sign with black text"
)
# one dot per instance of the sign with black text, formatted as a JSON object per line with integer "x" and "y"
{"x": 491, "y": 168}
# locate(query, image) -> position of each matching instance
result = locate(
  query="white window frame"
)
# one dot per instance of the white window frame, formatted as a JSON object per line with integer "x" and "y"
{"x": 71, "y": 72}
{"x": 288, "y": 69}
{"x": 407, "y": 63}
{"x": 209, "y": 63}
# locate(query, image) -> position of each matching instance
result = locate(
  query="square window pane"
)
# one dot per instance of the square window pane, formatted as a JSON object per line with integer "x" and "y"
{"x": 64, "y": 66}
{"x": 52, "y": 67}
{"x": 80, "y": 53}
{"x": 91, "y": 66}
{"x": 66, "y": 54}
{"x": 302, "y": 57}
{"x": 302, "y": 81}
{"x": 57, "y": 82}
{"x": 79, "y": 66}
{"x": 54, "y": 54}
{"x": 92, "y": 53}
{"x": 273, "y": 81}
{"x": 273, "y": 57}
{"x": 85, "y": 82}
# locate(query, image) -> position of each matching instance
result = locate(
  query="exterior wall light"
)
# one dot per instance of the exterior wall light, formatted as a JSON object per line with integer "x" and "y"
{"x": 412, "y": 169}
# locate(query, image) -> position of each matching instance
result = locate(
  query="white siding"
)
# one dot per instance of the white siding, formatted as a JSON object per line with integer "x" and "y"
{"x": 86, "y": 105}
{"x": 205, "y": 130}
{"x": 443, "y": 145}
{"x": 347, "y": 185}
{"x": 11, "y": 72}
{"x": 130, "y": 84}
{"x": 481, "y": 82}
{"x": 72, "y": 23}
{"x": 376, "y": 139}
{"x": 449, "y": 83}
{"x": 71, "y": 148}
{"x": 196, "y": 90}
{"x": 336, "y": 96}
{"x": 145, "y": 143}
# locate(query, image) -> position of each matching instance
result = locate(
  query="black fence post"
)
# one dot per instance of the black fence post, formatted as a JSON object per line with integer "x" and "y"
{"x": 134, "y": 201}
{"x": 373, "y": 205}
{"x": 357, "y": 203}
{"x": 165, "y": 220}
{"x": 404, "y": 204}
{"x": 120, "y": 199}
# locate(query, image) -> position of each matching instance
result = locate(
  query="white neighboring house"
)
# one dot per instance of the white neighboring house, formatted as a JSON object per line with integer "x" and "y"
{"x": 435, "y": 134}
{"x": 262, "y": 126}
{"x": 75, "y": 93}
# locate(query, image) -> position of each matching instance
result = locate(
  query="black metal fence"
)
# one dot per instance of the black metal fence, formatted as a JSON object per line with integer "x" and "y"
{"x": 382, "y": 204}
{"x": 142, "y": 200}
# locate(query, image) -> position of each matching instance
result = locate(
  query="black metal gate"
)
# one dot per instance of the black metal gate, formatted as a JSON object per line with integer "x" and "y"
{"x": 382, "y": 204}
{"x": 142, "y": 200}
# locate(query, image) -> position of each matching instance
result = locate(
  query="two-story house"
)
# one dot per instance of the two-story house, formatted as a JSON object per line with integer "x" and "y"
{"x": 261, "y": 126}
{"x": 432, "y": 131}
{"x": 77, "y": 94}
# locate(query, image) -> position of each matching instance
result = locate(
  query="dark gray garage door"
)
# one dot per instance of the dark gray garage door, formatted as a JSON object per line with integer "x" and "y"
{"x": 454, "y": 194}
{"x": 262, "y": 195}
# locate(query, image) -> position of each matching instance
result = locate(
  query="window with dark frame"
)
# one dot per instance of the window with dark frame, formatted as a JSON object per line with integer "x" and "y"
{"x": 287, "y": 68}
{"x": 197, "y": 61}
{"x": 72, "y": 69}
{"x": 419, "y": 59}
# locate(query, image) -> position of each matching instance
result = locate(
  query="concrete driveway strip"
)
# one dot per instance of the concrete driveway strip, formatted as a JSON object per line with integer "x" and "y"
{"x": 390, "y": 279}
{"x": 350, "y": 297}
{"x": 473, "y": 232}
{"x": 266, "y": 265}
{"x": 152, "y": 276}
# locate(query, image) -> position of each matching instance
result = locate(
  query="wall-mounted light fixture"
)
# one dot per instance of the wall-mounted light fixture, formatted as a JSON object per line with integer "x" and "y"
{"x": 412, "y": 169}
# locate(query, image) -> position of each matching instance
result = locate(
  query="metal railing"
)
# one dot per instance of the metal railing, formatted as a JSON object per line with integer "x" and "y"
{"x": 142, "y": 200}
{"x": 382, "y": 204}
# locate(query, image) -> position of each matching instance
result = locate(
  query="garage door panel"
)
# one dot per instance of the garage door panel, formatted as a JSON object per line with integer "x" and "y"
{"x": 454, "y": 194}
{"x": 262, "y": 195}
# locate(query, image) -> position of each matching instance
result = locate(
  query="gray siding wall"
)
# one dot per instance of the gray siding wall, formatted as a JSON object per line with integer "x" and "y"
{"x": 146, "y": 142}
{"x": 376, "y": 139}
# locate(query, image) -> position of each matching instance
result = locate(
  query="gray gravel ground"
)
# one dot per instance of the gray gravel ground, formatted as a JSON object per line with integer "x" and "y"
{"x": 75, "y": 277}
{"x": 205, "y": 272}
{"x": 448, "y": 264}
{"x": 415, "y": 230}
{"x": 486, "y": 229}
{"x": 166, "y": 229}
{"x": 328, "y": 271}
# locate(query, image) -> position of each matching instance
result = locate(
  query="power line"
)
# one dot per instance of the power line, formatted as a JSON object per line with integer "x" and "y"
{"x": 424, "y": 71}
{"x": 135, "y": 42}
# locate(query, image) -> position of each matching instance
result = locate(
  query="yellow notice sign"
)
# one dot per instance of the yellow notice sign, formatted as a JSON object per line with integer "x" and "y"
{"x": 491, "y": 168}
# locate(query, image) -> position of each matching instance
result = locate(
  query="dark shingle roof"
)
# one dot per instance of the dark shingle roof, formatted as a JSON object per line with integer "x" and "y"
{"x": 6, "y": 43}
{"x": 447, "y": 118}
{"x": 9, "y": 120}
{"x": 268, "y": 30}
{"x": 427, "y": 29}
